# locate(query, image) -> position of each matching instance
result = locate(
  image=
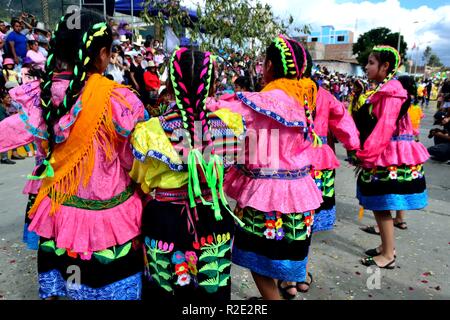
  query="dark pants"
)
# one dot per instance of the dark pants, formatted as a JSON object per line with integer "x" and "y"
{"x": 441, "y": 150}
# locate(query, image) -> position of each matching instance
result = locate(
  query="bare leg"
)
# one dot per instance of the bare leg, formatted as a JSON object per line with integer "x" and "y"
{"x": 386, "y": 226}
{"x": 399, "y": 220}
{"x": 267, "y": 287}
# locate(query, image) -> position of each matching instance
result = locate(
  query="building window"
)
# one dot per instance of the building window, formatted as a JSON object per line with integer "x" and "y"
{"x": 341, "y": 38}
{"x": 314, "y": 39}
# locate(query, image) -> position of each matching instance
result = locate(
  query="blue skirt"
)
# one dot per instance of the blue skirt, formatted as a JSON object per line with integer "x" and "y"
{"x": 325, "y": 215}
{"x": 393, "y": 188}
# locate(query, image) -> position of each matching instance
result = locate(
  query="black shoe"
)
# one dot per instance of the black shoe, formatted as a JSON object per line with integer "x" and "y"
{"x": 371, "y": 230}
{"x": 368, "y": 262}
{"x": 374, "y": 252}
{"x": 17, "y": 157}
{"x": 7, "y": 161}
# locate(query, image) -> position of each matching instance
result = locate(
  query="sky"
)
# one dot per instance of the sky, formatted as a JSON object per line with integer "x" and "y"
{"x": 424, "y": 23}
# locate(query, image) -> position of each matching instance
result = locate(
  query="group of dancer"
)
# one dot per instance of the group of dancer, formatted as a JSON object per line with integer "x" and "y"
{"x": 140, "y": 205}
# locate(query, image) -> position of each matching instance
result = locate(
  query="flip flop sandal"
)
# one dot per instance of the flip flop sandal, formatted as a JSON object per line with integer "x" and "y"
{"x": 284, "y": 291}
{"x": 374, "y": 252}
{"x": 371, "y": 230}
{"x": 401, "y": 225}
{"x": 305, "y": 282}
{"x": 368, "y": 262}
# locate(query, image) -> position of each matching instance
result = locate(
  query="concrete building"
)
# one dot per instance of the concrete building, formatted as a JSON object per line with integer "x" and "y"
{"x": 328, "y": 35}
{"x": 333, "y": 49}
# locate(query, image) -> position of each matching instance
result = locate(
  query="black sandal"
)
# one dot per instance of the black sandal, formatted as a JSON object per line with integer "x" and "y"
{"x": 371, "y": 230}
{"x": 254, "y": 298}
{"x": 284, "y": 291}
{"x": 401, "y": 225}
{"x": 305, "y": 282}
{"x": 374, "y": 252}
{"x": 368, "y": 262}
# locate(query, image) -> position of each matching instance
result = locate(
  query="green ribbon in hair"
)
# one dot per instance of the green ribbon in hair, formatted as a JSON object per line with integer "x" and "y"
{"x": 48, "y": 173}
{"x": 194, "y": 190}
{"x": 214, "y": 174}
{"x": 215, "y": 181}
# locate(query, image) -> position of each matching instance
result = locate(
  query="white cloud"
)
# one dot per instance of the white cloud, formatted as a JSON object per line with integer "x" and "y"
{"x": 432, "y": 27}
{"x": 367, "y": 15}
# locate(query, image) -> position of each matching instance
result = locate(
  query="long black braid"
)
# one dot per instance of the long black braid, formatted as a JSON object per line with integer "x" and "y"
{"x": 191, "y": 78}
{"x": 78, "y": 48}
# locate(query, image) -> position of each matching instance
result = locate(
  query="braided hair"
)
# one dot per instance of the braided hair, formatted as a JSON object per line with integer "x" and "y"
{"x": 385, "y": 54}
{"x": 78, "y": 48}
{"x": 288, "y": 58}
{"x": 409, "y": 84}
{"x": 191, "y": 75}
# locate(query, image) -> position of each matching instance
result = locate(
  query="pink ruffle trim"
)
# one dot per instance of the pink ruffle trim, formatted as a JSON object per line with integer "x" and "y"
{"x": 86, "y": 231}
{"x": 401, "y": 152}
{"x": 323, "y": 158}
{"x": 286, "y": 196}
{"x": 32, "y": 187}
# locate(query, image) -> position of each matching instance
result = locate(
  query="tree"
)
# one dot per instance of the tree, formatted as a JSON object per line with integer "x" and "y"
{"x": 427, "y": 54}
{"x": 434, "y": 61}
{"x": 379, "y": 36}
{"x": 221, "y": 24}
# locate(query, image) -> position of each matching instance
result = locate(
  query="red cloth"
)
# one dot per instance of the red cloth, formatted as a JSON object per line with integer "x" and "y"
{"x": 152, "y": 82}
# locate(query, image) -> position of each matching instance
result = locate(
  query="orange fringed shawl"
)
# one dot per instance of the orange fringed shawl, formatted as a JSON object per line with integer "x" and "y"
{"x": 297, "y": 89}
{"x": 74, "y": 159}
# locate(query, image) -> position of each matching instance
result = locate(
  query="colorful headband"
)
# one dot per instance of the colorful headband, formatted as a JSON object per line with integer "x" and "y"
{"x": 286, "y": 50}
{"x": 396, "y": 54}
{"x": 285, "y": 40}
{"x": 305, "y": 57}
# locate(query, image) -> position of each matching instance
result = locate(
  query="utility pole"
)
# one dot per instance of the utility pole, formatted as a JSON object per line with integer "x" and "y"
{"x": 417, "y": 62}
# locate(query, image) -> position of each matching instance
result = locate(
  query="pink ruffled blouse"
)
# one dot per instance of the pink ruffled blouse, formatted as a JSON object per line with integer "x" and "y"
{"x": 390, "y": 144}
{"x": 331, "y": 114}
{"x": 81, "y": 230}
{"x": 274, "y": 175}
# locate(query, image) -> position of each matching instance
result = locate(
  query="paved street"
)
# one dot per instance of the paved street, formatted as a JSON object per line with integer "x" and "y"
{"x": 422, "y": 251}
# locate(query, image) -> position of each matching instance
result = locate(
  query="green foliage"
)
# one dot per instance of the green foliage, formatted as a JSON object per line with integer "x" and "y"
{"x": 434, "y": 61}
{"x": 224, "y": 24}
{"x": 379, "y": 36}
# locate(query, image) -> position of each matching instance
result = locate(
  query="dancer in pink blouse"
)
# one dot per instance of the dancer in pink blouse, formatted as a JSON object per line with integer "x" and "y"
{"x": 86, "y": 213}
{"x": 273, "y": 187}
{"x": 392, "y": 175}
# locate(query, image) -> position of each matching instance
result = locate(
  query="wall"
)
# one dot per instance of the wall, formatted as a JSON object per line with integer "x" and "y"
{"x": 341, "y": 67}
{"x": 339, "y": 52}
{"x": 317, "y": 50}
